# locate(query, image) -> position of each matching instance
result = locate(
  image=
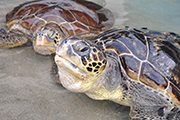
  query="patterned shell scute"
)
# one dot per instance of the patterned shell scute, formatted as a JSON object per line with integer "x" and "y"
{"x": 152, "y": 58}
{"x": 69, "y": 15}
{"x": 125, "y": 41}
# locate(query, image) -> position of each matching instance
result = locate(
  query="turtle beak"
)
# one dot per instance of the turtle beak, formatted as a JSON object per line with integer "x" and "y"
{"x": 41, "y": 41}
{"x": 40, "y": 38}
{"x": 43, "y": 46}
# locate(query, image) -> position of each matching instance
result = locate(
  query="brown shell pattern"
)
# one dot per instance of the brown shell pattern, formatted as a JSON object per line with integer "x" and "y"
{"x": 74, "y": 17}
{"x": 150, "y": 57}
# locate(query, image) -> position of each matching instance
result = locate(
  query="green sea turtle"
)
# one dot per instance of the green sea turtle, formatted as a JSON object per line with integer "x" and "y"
{"x": 44, "y": 22}
{"x": 133, "y": 67}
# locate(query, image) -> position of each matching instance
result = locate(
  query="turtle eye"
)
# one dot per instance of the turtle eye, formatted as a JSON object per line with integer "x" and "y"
{"x": 81, "y": 48}
{"x": 84, "y": 49}
{"x": 51, "y": 34}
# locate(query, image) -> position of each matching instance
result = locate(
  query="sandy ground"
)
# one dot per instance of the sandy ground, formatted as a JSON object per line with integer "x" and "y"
{"x": 27, "y": 90}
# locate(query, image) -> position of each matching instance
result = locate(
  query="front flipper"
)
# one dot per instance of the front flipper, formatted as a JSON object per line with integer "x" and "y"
{"x": 54, "y": 73}
{"x": 14, "y": 38}
{"x": 174, "y": 114}
{"x": 139, "y": 112}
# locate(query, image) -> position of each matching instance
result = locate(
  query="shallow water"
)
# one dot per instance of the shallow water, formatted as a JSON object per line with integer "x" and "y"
{"x": 28, "y": 92}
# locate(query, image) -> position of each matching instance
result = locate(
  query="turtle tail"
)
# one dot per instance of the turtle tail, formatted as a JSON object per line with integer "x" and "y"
{"x": 14, "y": 38}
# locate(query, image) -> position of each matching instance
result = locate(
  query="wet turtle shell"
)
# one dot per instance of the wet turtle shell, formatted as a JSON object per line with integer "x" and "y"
{"x": 147, "y": 56}
{"x": 139, "y": 68}
{"x": 65, "y": 17}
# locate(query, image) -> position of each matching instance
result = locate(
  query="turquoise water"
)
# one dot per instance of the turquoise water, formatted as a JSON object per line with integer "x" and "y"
{"x": 28, "y": 92}
{"x": 163, "y": 15}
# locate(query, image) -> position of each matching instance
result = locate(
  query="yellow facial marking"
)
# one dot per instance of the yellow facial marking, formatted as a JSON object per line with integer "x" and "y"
{"x": 96, "y": 63}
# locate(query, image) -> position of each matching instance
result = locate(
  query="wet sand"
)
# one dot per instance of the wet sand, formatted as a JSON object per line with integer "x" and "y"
{"x": 27, "y": 90}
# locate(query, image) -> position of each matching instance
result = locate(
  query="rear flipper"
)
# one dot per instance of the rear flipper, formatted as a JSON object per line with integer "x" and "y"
{"x": 14, "y": 38}
{"x": 154, "y": 113}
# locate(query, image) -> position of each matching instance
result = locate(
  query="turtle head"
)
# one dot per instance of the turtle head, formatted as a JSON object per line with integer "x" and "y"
{"x": 46, "y": 40}
{"x": 80, "y": 63}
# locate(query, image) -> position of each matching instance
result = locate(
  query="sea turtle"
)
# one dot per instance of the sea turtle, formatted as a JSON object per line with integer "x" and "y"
{"x": 47, "y": 21}
{"x": 133, "y": 67}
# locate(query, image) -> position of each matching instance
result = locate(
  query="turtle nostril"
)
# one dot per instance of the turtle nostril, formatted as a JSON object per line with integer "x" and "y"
{"x": 41, "y": 34}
